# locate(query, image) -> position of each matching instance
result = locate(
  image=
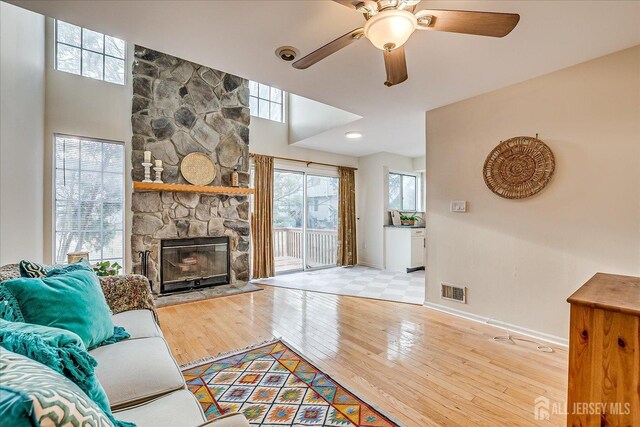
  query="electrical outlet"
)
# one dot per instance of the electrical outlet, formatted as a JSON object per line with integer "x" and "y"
{"x": 458, "y": 206}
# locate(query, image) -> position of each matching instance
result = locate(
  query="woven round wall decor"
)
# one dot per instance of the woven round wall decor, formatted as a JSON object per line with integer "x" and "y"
{"x": 198, "y": 169}
{"x": 519, "y": 167}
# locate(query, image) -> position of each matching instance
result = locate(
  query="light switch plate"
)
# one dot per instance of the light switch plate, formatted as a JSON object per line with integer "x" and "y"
{"x": 458, "y": 206}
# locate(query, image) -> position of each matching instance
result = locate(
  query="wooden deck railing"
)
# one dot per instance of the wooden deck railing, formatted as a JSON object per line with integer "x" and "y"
{"x": 322, "y": 245}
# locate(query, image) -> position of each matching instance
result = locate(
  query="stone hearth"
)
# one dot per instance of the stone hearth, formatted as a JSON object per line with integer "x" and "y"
{"x": 179, "y": 108}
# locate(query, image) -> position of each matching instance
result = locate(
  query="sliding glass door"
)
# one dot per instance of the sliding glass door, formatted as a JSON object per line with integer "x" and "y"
{"x": 288, "y": 220}
{"x": 305, "y": 220}
{"x": 321, "y": 233}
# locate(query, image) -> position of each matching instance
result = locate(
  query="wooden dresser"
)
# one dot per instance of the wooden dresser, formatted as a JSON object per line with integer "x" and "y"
{"x": 604, "y": 352}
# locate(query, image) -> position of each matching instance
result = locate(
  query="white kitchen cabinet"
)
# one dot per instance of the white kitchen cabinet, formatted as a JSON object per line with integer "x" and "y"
{"x": 404, "y": 248}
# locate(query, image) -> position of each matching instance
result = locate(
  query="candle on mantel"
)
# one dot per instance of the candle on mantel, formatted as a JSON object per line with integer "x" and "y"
{"x": 158, "y": 163}
{"x": 147, "y": 156}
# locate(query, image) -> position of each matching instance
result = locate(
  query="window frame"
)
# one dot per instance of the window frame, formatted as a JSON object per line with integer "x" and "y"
{"x": 416, "y": 192}
{"x": 82, "y": 49}
{"x": 54, "y": 228}
{"x": 282, "y": 102}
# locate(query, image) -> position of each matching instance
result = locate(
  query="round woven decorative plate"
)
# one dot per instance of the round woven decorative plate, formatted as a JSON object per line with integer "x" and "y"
{"x": 519, "y": 167}
{"x": 198, "y": 169}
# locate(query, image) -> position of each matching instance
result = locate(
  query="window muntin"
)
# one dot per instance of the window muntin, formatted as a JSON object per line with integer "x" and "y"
{"x": 403, "y": 190}
{"x": 266, "y": 102}
{"x": 89, "y": 53}
{"x": 88, "y": 198}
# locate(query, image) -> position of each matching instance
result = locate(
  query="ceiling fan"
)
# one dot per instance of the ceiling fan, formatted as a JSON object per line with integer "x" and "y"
{"x": 390, "y": 23}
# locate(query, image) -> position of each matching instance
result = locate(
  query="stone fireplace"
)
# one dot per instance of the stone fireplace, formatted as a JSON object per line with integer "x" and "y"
{"x": 178, "y": 108}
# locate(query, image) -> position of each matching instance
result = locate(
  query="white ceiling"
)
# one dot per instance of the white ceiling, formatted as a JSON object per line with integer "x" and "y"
{"x": 241, "y": 36}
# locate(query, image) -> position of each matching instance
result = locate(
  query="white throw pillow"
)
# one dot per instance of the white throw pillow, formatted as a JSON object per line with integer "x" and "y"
{"x": 56, "y": 400}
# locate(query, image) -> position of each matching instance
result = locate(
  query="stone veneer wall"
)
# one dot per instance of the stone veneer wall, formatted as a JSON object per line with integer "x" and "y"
{"x": 179, "y": 108}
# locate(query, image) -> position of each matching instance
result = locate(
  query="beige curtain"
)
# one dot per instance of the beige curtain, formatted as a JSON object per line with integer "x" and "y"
{"x": 262, "y": 219}
{"x": 347, "y": 245}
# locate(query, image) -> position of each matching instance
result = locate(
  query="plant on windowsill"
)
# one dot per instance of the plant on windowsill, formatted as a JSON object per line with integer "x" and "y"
{"x": 107, "y": 268}
{"x": 409, "y": 219}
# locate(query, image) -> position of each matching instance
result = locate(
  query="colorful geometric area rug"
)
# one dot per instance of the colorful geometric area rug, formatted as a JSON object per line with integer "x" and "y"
{"x": 272, "y": 385}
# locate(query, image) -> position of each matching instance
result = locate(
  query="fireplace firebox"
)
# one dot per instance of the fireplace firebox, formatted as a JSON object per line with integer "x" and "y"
{"x": 188, "y": 264}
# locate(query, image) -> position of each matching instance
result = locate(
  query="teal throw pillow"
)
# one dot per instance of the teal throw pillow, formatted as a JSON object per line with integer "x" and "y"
{"x": 81, "y": 265}
{"x": 16, "y": 408}
{"x": 71, "y": 301}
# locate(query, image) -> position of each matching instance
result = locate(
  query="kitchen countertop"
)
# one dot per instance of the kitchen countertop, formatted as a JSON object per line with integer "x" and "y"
{"x": 405, "y": 226}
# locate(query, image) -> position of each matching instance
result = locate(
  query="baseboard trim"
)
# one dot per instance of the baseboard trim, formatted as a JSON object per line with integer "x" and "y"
{"x": 370, "y": 264}
{"x": 548, "y": 338}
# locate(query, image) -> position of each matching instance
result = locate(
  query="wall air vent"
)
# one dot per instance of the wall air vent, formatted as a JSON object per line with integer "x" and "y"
{"x": 453, "y": 293}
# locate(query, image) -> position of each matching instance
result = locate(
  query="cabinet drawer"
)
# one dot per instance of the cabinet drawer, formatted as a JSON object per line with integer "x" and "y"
{"x": 417, "y": 232}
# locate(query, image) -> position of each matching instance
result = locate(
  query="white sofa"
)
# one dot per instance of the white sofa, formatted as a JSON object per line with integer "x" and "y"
{"x": 140, "y": 376}
{"x": 143, "y": 381}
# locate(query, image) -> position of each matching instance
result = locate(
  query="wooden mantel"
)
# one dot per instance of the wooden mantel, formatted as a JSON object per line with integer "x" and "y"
{"x": 152, "y": 186}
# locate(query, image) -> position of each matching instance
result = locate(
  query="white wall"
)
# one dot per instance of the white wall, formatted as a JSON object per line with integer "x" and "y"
{"x": 271, "y": 138}
{"x": 521, "y": 259}
{"x": 82, "y": 106}
{"x": 21, "y": 133}
{"x": 372, "y": 203}
{"x": 419, "y": 163}
{"x": 308, "y": 118}
{"x": 420, "y": 167}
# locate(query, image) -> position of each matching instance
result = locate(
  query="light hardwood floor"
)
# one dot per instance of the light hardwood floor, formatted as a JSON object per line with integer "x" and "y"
{"x": 419, "y": 365}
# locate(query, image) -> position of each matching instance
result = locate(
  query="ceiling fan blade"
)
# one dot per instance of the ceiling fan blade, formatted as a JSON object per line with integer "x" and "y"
{"x": 396, "y": 65}
{"x": 468, "y": 22}
{"x": 351, "y": 4}
{"x": 328, "y": 49}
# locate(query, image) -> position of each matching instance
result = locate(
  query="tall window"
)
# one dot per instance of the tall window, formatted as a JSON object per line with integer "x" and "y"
{"x": 89, "y": 198}
{"x": 402, "y": 192}
{"x": 266, "y": 102}
{"x": 89, "y": 53}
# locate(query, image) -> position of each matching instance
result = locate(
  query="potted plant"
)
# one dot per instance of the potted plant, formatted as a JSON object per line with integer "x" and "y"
{"x": 409, "y": 219}
{"x": 106, "y": 268}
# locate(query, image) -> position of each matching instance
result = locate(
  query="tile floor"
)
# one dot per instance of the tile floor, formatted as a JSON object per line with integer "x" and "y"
{"x": 356, "y": 281}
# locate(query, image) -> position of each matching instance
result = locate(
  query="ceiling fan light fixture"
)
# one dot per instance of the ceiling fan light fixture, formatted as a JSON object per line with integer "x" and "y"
{"x": 390, "y": 29}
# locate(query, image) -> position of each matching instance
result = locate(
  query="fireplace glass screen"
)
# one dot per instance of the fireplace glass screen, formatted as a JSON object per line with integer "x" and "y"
{"x": 194, "y": 263}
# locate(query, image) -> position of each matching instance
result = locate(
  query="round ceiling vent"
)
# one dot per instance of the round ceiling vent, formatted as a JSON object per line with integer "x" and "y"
{"x": 287, "y": 53}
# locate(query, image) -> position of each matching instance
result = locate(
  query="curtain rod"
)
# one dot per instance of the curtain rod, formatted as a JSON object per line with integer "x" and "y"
{"x": 308, "y": 162}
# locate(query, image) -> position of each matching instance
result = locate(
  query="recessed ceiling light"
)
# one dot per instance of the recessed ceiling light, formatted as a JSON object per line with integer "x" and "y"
{"x": 353, "y": 135}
